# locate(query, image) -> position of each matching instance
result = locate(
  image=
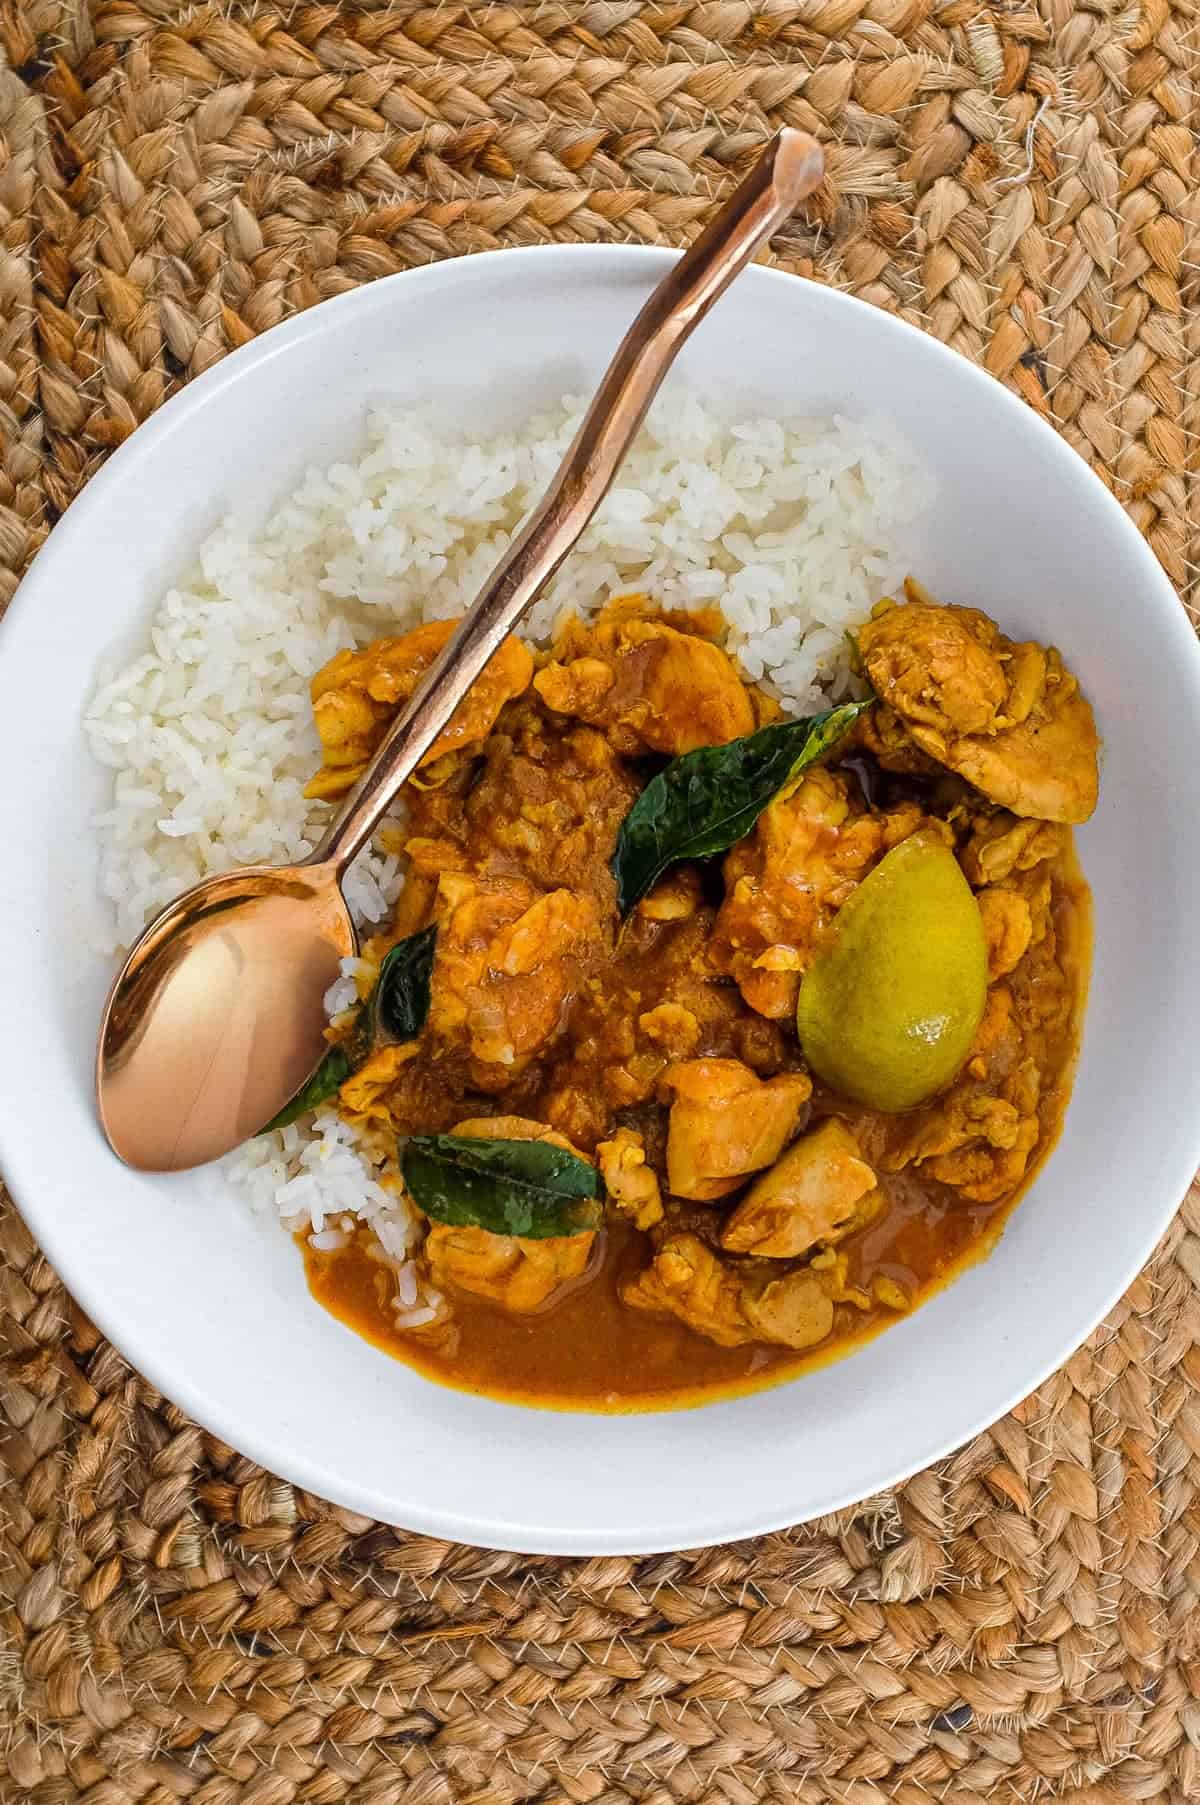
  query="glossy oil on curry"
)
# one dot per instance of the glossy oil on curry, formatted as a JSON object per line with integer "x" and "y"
{"x": 732, "y": 1176}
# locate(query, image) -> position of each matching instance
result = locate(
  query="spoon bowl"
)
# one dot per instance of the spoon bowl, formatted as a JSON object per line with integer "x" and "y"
{"x": 216, "y": 1018}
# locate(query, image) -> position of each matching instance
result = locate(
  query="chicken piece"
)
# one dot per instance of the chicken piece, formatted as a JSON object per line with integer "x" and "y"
{"x": 891, "y": 1295}
{"x": 688, "y": 1281}
{"x": 520, "y": 1276}
{"x": 987, "y": 1141}
{"x": 357, "y": 694}
{"x": 1007, "y": 929}
{"x": 726, "y": 1123}
{"x": 676, "y": 897}
{"x": 364, "y": 1095}
{"x": 631, "y": 1184}
{"x": 1000, "y": 845}
{"x": 513, "y": 1128}
{"x": 979, "y": 1135}
{"x": 793, "y": 1311}
{"x": 937, "y": 667}
{"x": 882, "y": 733}
{"x": 997, "y": 1044}
{"x": 648, "y": 686}
{"x": 509, "y": 959}
{"x": 784, "y": 883}
{"x": 673, "y": 1028}
{"x": 814, "y": 1192}
{"x": 1007, "y": 716}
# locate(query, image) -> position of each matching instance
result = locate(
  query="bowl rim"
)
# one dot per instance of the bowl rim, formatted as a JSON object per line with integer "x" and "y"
{"x": 1171, "y": 624}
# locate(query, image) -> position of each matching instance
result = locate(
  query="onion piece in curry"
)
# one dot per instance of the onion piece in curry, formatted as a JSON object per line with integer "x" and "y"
{"x": 754, "y": 1221}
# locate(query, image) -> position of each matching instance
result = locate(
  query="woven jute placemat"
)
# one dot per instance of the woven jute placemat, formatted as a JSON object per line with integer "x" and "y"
{"x": 1022, "y": 1621}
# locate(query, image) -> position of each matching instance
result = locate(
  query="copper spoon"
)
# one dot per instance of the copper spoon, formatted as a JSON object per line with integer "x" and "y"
{"x": 216, "y": 1018}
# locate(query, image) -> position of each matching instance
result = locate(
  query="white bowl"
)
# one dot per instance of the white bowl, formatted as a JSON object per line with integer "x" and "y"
{"x": 213, "y": 1307}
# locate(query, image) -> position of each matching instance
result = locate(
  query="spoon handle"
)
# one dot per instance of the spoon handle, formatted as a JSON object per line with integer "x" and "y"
{"x": 790, "y": 167}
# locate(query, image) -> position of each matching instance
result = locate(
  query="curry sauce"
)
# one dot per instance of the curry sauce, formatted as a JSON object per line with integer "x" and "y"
{"x": 588, "y": 1351}
{"x": 551, "y": 1016}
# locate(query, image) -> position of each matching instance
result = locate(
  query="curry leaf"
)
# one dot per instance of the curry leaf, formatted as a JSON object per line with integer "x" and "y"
{"x": 399, "y": 1003}
{"x": 325, "y": 1082}
{"x": 705, "y": 801}
{"x": 394, "y": 1012}
{"x": 532, "y": 1189}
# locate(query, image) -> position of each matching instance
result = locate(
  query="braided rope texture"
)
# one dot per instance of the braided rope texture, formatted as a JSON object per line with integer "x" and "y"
{"x": 1021, "y": 1622}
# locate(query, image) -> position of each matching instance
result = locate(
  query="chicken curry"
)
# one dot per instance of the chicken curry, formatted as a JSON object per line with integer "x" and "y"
{"x": 705, "y": 1042}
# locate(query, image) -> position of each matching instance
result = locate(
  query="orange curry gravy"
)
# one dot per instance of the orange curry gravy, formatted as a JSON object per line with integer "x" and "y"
{"x": 536, "y": 810}
{"x": 590, "y": 1351}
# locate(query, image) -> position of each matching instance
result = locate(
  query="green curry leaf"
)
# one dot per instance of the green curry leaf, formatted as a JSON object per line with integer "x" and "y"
{"x": 398, "y": 1005}
{"x": 394, "y": 1012}
{"x": 705, "y": 801}
{"x": 531, "y": 1189}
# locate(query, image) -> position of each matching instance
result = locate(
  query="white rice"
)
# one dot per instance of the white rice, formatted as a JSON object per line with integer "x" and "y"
{"x": 792, "y": 531}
